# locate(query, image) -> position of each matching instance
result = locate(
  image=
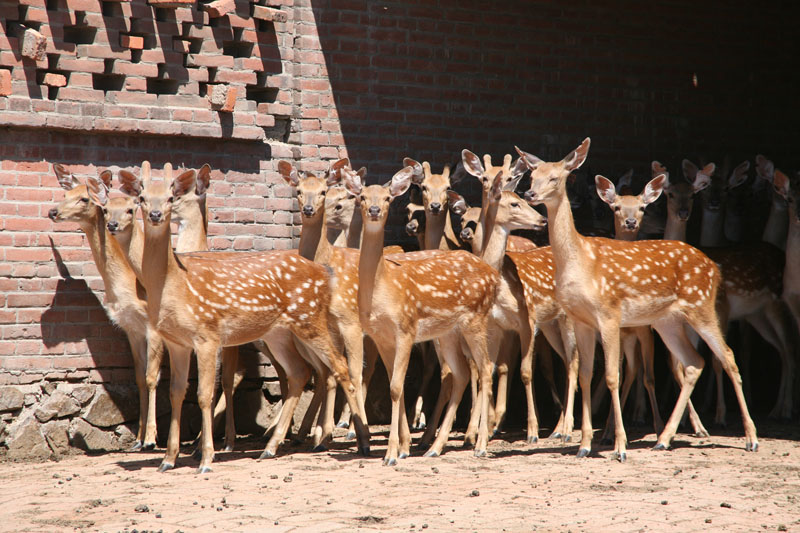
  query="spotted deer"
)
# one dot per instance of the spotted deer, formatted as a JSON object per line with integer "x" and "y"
{"x": 628, "y": 213}
{"x": 607, "y": 284}
{"x": 535, "y": 272}
{"x": 125, "y": 301}
{"x": 776, "y": 228}
{"x": 204, "y": 300}
{"x": 418, "y": 296}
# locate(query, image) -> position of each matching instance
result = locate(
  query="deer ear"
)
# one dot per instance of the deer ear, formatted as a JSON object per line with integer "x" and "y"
{"x": 458, "y": 205}
{"x": 739, "y": 175}
{"x": 653, "y": 189}
{"x": 575, "y": 158}
{"x": 340, "y": 164}
{"x": 780, "y": 182}
{"x": 690, "y": 170}
{"x": 203, "y": 180}
{"x": 497, "y": 186}
{"x": 129, "y": 183}
{"x": 458, "y": 174}
{"x": 511, "y": 185}
{"x": 98, "y": 190}
{"x": 105, "y": 177}
{"x": 530, "y": 160}
{"x": 519, "y": 168}
{"x": 401, "y": 181}
{"x": 288, "y": 173}
{"x": 709, "y": 169}
{"x": 657, "y": 168}
{"x": 67, "y": 180}
{"x": 605, "y": 189}
{"x": 700, "y": 182}
{"x": 419, "y": 174}
{"x": 764, "y": 168}
{"x": 184, "y": 182}
{"x": 472, "y": 164}
{"x": 353, "y": 184}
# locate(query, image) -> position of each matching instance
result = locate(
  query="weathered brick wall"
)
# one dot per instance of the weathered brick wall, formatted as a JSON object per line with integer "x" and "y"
{"x": 96, "y": 83}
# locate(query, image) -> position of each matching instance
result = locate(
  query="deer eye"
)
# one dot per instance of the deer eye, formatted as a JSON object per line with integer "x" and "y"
{"x": 515, "y": 205}
{"x": 323, "y": 193}
{"x": 338, "y": 207}
{"x": 424, "y": 188}
{"x": 130, "y": 211}
{"x": 617, "y": 209}
{"x": 641, "y": 209}
{"x": 141, "y": 199}
{"x": 170, "y": 199}
{"x": 85, "y": 200}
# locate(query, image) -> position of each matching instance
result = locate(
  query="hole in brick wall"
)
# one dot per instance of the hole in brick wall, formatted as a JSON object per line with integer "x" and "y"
{"x": 79, "y": 34}
{"x": 111, "y": 9}
{"x": 108, "y": 66}
{"x": 53, "y": 5}
{"x": 194, "y": 45}
{"x": 280, "y": 131}
{"x": 265, "y": 25}
{"x": 260, "y": 94}
{"x": 23, "y": 12}
{"x": 212, "y": 74}
{"x": 52, "y": 93}
{"x": 108, "y": 82}
{"x": 157, "y": 86}
{"x": 202, "y": 89}
{"x": 237, "y": 48}
{"x": 164, "y": 14}
{"x": 52, "y": 61}
{"x": 136, "y": 56}
{"x": 80, "y": 18}
{"x": 219, "y": 22}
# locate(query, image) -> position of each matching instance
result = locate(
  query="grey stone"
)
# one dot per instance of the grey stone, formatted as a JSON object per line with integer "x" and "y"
{"x": 11, "y": 399}
{"x": 26, "y": 441}
{"x": 273, "y": 388}
{"x": 92, "y": 439}
{"x": 62, "y": 404}
{"x": 83, "y": 393}
{"x": 30, "y": 399}
{"x": 49, "y": 387}
{"x": 113, "y": 406}
{"x": 43, "y": 415}
{"x": 56, "y": 434}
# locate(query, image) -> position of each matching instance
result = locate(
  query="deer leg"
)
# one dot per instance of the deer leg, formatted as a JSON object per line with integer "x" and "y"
{"x": 230, "y": 364}
{"x": 628, "y": 341}
{"x": 323, "y": 433}
{"x": 353, "y": 338}
{"x": 138, "y": 344}
{"x": 471, "y": 433}
{"x": 179, "y": 376}
{"x": 428, "y": 369}
{"x": 458, "y": 371}
{"x": 207, "y": 355}
{"x": 609, "y": 332}
{"x": 585, "y": 339}
{"x": 397, "y": 376}
{"x": 155, "y": 354}
{"x": 445, "y": 390}
{"x": 772, "y": 325}
{"x": 313, "y": 409}
{"x": 506, "y": 358}
{"x": 647, "y": 350}
{"x": 677, "y": 372}
{"x": 559, "y": 335}
{"x": 297, "y": 373}
{"x": 710, "y": 332}
{"x": 721, "y": 411}
{"x": 674, "y": 336}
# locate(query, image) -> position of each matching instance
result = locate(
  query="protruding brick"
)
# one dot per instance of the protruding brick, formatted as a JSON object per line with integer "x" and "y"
{"x": 223, "y": 98}
{"x": 171, "y": 3}
{"x": 51, "y": 79}
{"x": 219, "y": 8}
{"x": 135, "y": 42}
{"x": 180, "y": 45}
{"x": 5, "y": 82}
{"x": 34, "y": 45}
{"x": 266, "y": 13}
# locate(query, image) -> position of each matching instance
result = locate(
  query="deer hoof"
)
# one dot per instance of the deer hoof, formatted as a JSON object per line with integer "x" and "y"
{"x": 702, "y": 434}
{"x": 320, "y": 448}
{"x": 556, "y": 435}
{"x": 660, "y": 446}
{"x": 390, "y": 462}
{"x": 228, "y": 448}
{"x": 567, "y": 438}
{"x": 751, "y": 447}
{"x": 267, "y": 454}
{"x": 350, "y": 435}
{"x": 364, "y": 450}
{"x": 148, "y": 446}
{"x": 583, "y": 452}
{"x": 136, "y": 446}
{"x": 533, "y": 439}
{"x": 480, "y": 453}
{"x": 621, "y": 457}
{"x": 419, "y": 426}
{"x": 431, "y": 453}
{"x": 165, "y": 466}
{"x": 203, "y": 470}
{"x": 402, "y": 455}
{"x": 342, "y": 424}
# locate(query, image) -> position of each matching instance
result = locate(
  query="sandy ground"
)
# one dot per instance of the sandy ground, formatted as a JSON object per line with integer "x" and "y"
{"x": 707, "y": 484}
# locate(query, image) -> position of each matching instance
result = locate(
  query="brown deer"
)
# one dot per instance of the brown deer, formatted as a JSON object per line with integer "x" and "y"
{"x": 125, "y": 303}
{"x": 776, "y": 228}
{"x": 607, "y": 284}
{"x": 407, "y": 298}
{"x": 204, "y": 300}
{"x": 628, "y": 213}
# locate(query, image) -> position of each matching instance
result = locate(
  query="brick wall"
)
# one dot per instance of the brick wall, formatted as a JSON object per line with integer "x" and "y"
{"x": 241, "y": 84}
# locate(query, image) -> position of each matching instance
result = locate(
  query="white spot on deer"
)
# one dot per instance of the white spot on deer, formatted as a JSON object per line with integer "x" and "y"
{"x": 291, "y": 307}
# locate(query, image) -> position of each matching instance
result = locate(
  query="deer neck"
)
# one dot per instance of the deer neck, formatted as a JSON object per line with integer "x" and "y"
{"x": 434, "y": 230}
{"x": 131, "y": 242}
{"x": 193, "y": 231}
{"x": 569, "y": 254}
{"x": 312, "y": 246}
{"x": 675, "y": 229}
{"x": 712, "y": 230}
{"x": 354, "y": 230}
{"x": 495, "y": 249}
{"x": 109, "y": 257}
{"x": 370, "y": 270}
{"x": 775, "y": 232}
{"x": 157, "y": 263}
{"x": 622, "y": 235}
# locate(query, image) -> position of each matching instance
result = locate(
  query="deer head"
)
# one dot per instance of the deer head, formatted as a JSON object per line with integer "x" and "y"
{"x": 77, "y": 205}
{"x": 680, "y": 193}
{"x": 486, "y": 172}
{"x": 156, "y": 198}
{"x": 789, "y": 189}
{"x": 629, "y": 209}
{"x": 433, "y": 186}
{"x": 374, "y": 200}
{"x": 548, "y": 179}
{"x": 415, "y": 216}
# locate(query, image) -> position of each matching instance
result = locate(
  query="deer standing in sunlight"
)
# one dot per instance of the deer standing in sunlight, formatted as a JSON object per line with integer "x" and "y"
{"x": 125, "y": 303}
{"x": 204, "y": 300}
{"x": 607, "y": 284}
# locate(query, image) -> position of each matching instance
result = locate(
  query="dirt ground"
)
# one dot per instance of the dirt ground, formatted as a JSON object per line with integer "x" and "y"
{"x": 708, "y": 484}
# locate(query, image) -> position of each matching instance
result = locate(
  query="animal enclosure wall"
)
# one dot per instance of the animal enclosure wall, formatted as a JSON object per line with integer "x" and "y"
{"x": 243, "y": 84}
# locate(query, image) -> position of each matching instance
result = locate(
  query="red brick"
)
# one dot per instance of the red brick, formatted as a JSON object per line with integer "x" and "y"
{"x": 34, "y": 45}
{"x": 131, "y": 41}
{"x": 52, "y": 79}
{"x": 219, "y": 8}
{"x": 5, "y": 82}
{"x": 266, "y": 13}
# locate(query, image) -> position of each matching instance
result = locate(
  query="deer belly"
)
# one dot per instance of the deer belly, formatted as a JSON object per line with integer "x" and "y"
{"x": 743, "y": 304}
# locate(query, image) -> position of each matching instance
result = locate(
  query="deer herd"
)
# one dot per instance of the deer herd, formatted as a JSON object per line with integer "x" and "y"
{"x": 474, "y": 296}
